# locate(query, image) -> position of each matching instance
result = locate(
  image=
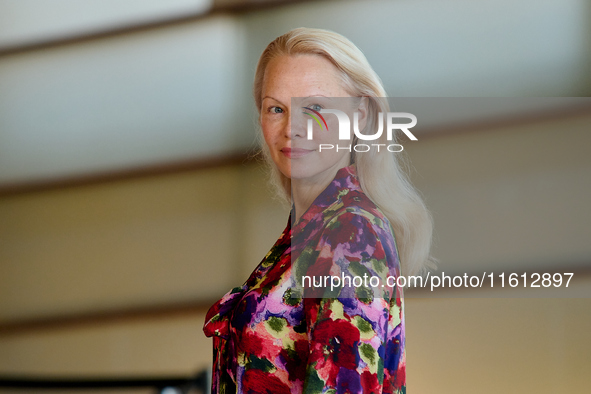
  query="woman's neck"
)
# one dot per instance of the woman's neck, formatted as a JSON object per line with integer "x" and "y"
{"x": 304, "y": 191}
{"x": 304, "y": 194}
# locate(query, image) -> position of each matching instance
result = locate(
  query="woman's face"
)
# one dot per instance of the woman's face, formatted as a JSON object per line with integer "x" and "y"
{"x": 285, "y": 127}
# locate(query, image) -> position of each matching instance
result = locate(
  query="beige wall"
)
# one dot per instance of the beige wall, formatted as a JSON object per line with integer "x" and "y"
{"x": 502, "y": 198}
{"x": 140, "y": 242}
{"x": 513, "y": 198}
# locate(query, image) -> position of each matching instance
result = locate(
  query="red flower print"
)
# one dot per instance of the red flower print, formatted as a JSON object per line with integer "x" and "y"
{"x": 219, "y": 327}
{"x": 320, "y": 267}
{"x": 370, "y": 383}
{"x": 315, "y": 287}
{"x": 274, "y": 275}
{"x": 255, "y": 381}
{"x": 258, "y": 345}
{"x": 296, "y": 360}
{"x": 379, "y": 253}
{"x": 334, "y": 346}
{"x": 400, "y": 374}
{"x": 344, "y": 231}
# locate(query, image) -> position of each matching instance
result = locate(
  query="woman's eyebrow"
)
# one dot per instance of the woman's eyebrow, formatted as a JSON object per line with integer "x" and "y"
{"x": 312, "y": 95}
{"x": 272, "y": 98}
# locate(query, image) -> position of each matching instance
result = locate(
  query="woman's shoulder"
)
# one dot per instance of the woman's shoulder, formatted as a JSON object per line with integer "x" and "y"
{"x": 357, "y": 219}
{"x": 358, "y": 206}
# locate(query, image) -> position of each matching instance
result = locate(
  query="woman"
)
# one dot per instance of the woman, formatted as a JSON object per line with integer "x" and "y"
{"x": 277, "y": 333}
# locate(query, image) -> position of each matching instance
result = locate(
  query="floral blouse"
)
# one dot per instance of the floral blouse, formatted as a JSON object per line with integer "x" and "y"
{"x": 269, "y": 337}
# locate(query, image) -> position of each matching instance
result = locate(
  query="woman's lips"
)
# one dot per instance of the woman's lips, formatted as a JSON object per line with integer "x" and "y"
{"x": 294, "y": 153}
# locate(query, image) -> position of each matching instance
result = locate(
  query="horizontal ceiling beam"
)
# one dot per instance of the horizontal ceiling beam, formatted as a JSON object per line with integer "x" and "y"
{"x": 219, "y": 7}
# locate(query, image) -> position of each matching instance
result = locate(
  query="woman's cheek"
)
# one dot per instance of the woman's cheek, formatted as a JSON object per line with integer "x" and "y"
{"x": 267, "y": 135}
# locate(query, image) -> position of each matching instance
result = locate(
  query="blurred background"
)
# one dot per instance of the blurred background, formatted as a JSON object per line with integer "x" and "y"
{"x": 130, "y": 202}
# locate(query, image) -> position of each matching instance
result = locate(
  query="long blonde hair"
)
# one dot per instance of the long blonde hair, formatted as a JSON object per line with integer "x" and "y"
{"x": 380, "y": 175}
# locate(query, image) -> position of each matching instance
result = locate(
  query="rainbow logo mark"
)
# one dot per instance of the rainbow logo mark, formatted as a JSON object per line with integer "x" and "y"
{"x": 315, "y": 118}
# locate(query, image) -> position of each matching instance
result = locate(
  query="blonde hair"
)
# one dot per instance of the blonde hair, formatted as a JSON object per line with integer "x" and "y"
{"x": 397, "y": 198}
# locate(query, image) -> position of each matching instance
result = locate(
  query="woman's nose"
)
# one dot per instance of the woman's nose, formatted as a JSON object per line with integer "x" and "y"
{"x": 297, "y": 125}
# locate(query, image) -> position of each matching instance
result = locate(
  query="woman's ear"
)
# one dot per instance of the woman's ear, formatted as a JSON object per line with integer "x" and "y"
{"x": 363, "y": 110}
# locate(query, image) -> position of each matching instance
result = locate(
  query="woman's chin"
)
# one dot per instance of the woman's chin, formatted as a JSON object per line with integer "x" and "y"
{"x": 300, "y": 174}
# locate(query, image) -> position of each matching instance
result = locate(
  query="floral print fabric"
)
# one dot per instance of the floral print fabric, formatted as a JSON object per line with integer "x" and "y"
{"x": 268, "y": 338}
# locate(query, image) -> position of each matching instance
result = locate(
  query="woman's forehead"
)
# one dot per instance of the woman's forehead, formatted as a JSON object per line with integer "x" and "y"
{"x": 301, "y": 76}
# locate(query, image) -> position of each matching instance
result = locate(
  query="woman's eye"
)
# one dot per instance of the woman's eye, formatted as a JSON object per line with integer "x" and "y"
{"x": 275, "y": 110}
{"x": 315, "y": 107}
